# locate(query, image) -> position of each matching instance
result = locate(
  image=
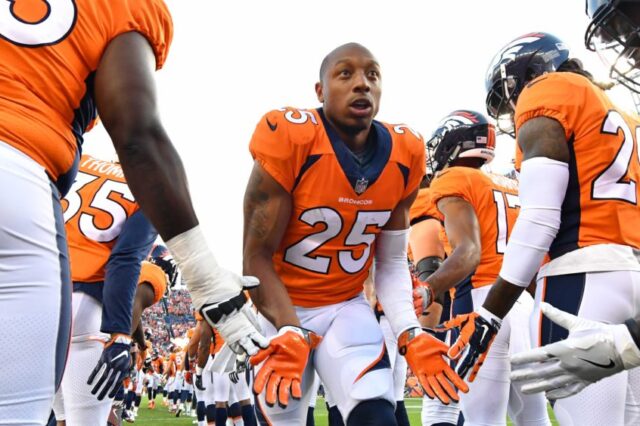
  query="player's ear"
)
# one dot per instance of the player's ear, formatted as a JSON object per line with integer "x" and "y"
{"x": 319, "y": 93}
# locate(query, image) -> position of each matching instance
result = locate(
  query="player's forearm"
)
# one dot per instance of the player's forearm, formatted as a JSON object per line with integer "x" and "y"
{"x": 138, "y": 336}
{"x": 502, "y": 296}
{"x": 271, "y": 297}
{"x": 143, "y": 299}
{"x": 464, "y": 259}
{"x": 205, "y": 344}
{"x": 156, "y": 176}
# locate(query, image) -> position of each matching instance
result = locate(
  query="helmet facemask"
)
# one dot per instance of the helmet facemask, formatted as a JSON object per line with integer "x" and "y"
{"x": 501, "y": 101}
{"x": 616, "y": 38}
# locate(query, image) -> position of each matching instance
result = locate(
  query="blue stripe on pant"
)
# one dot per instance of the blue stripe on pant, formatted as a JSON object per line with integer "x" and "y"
{"x": 565, "y": 293}
{"x": 64, "y": 324}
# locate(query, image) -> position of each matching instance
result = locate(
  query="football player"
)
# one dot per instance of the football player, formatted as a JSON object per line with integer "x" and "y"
{"x": 108, "y": 237}
{"x": 330, "y": 188}
{"x": 478, "y": 210}
{"x": 614, "y": 32}
{"x": 66, "y": 61}
{"x": 578, "y": 163}
{"x": 428, "y": 245}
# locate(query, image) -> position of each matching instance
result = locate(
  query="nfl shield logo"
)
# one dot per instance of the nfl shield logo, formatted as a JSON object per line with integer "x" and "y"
{"x": 361, "y": 185}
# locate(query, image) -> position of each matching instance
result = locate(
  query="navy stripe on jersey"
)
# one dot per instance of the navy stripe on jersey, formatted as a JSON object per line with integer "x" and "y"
{"x": 352, "y": 170}
{"x": 565, "y": 293}
{"x": 310, "y": 161}
{"x": 405, "y": 174}
{"x": 569, "y": 232}
{"x": 86, "y": 112}
{"x": 64, "y": 322}
{"x": 66, "y": 180}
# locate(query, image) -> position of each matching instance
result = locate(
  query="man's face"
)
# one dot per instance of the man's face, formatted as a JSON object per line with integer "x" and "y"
{"x": 350, "y": 89}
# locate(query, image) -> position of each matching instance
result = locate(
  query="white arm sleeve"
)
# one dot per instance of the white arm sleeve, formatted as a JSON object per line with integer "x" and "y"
{"x": 207, "y": 282}
{"x": 392, "y": 280}
{"x": 543, "y": 184}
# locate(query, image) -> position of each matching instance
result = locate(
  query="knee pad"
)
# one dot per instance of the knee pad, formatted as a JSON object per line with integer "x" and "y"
{"x": 375, "y": 412}
{"x": 211, "y": 413}
{"x": 221, "y": 416}
{"x": 201, "y": 411}
{"x": 234, "y": 410}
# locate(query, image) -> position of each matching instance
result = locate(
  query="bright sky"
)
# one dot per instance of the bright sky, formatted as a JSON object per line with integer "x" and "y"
{"x": 232, "y": 61}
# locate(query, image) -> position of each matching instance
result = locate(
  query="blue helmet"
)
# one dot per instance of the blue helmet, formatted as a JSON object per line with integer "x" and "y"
{"x": 614, "y": 33}
{"x": 161, "y": 257}
{"x": 515, "y": 65}
{"x": 461, "y": 134}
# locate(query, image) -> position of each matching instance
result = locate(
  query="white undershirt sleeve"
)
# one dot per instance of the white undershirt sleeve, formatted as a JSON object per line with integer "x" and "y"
{"x": 543, "y": 185}
{"x": 392, "y": 280}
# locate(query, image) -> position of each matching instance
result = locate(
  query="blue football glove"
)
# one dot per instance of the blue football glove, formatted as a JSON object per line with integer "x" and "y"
{"x": 477, "y": 332}
{"x": 112, "y": 367}
{"x": 198, "y": 381}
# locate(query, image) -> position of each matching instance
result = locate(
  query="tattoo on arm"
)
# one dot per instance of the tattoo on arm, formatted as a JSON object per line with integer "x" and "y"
{"x": 543, "y": 137}
{"x": 255, "y": 208}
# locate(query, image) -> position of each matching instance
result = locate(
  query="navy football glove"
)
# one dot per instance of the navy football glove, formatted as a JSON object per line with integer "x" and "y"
{"x": 198, "y": 381}
{"x": 477, "y": 331}
{"x": 112, "y": 367}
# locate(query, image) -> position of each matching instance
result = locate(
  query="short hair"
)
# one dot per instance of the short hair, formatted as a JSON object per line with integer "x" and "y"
{"x": 330, "y": 56}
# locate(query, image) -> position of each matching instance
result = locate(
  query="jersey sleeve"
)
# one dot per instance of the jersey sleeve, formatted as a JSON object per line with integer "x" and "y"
{"x": 155, "y": 276}
{"x": 151, "y": 18}
{"x": 279, "y": 148}
{"x": 453, "y": 182}
{"x": 123, "y": 271}
{"x": 418, "y": 165}
{"x": 559, "y": 96}
{"x": 423, "y": 208}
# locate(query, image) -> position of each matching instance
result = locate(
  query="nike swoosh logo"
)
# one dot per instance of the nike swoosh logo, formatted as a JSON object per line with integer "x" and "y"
{"x": 607, "y": 366}
{"x": 123, "y": 353}
{"x": 273, "y": 127}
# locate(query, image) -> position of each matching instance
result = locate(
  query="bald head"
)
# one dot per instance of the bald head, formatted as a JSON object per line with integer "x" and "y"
{"x": 340, "y": 51}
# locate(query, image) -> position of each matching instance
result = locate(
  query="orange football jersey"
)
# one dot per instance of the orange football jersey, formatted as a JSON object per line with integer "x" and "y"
{"x": 157, "y": 365}
{"x": 95, "y": 210}
{"x": 50, "y": 53}
{"x": 424, "y": 208}
{"x": 338, "y": 206}
{"x": 495, "y": 201}
{"x": 601, "y": 203}
{"x": 155, "y": 276}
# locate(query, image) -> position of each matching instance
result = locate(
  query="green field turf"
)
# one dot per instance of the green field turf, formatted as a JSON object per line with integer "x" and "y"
{"x": 160, "y": 415}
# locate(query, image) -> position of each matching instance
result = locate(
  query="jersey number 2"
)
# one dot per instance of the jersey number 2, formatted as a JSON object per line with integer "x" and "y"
{"x": 611, "y": 183}
{"x": 33, "y": 23}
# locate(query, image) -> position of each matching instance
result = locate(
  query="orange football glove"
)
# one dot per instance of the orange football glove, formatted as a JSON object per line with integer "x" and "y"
{"x": 477, "y": 332}
{"x": 284, "y": 361}
{"x": 422, "y": 297}
{"x": 426, "y": 357}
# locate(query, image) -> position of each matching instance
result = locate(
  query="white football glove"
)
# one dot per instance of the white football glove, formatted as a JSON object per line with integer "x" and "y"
{"x": 592, "y": 351}
{"x": 216, "y": 292}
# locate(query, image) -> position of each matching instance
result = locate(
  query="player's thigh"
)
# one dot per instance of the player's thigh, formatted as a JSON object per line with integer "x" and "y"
{"x": 35, "y": 289}
{"x": 295, "y": 413}
{"x": 599, "y": 296}
{"x": 352, "y": 360}
{"x": 209, "y": 391}
{"x": 221, "y": 385}
{"x": 81, "y": 407}
{"x": 632, "y": 403}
